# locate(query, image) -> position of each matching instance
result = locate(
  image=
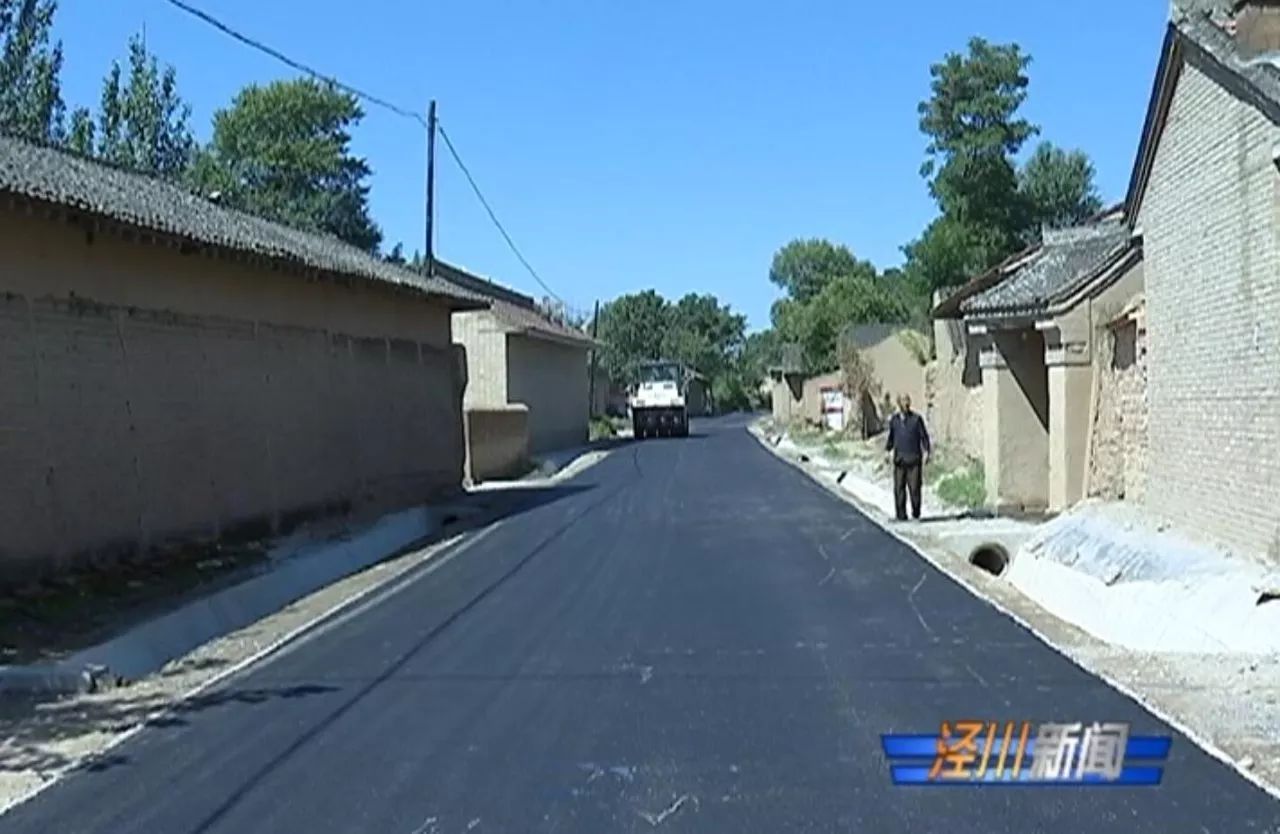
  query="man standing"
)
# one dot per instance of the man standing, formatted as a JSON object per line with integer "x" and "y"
{"x": 909, "y": 443}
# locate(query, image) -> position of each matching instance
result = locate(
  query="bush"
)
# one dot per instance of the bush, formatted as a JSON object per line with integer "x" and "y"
{"x": 833, "y": 448}
{"x": 918, "y": 344}
{"x": 802, "y": 432}
{"x": 966, "y": 488}
{"x": 602, "y": 427}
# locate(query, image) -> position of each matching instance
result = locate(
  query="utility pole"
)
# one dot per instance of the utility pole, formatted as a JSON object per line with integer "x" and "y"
{"x": 591, "y": 384}
{"x": 431, "y": 189}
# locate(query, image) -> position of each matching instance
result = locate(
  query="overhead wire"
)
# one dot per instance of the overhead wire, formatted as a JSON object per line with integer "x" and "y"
{"x": 285, "y": 59}
{"x": 448, "y": 143}
{"x": 378, "y": 102}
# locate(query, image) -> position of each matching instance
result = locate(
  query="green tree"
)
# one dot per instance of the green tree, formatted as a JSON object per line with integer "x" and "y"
{"x": 828, "y": 288}
{"x": 848, "y": 300}
{"x": 703, "y": 334}
{"x": 759, "y": 353}
{"x": 559, "y": 312}
{"x": 283, "y": 151}
{"x": 632, "y": 328}
{"x": 974, "y": 134}
{"x": 804, "y": 267}
{"x": 1058, "y": 186}
{"x": 737, "y": 387}
{"x": 30, "y": 92}
{"x": 81, "y": 133}
{"x": 144, "y": 123}
{"x": 396, "y": 255}
{"x": 950, "y": 252}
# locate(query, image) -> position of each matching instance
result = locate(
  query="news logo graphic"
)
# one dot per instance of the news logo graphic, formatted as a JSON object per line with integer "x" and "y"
{"x": 1013, "y": 753}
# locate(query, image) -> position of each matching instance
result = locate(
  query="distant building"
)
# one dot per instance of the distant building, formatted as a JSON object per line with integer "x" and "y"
{"x": 517, "y": 355}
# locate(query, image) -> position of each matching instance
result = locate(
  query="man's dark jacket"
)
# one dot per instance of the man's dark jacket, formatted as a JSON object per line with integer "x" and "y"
{"x": 908, "y": 438}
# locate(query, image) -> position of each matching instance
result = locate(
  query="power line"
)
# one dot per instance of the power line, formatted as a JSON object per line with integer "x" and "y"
{"x": 448, "y": 143}
{"x": 380, "y": 102}
{"x": 285, "y": 59}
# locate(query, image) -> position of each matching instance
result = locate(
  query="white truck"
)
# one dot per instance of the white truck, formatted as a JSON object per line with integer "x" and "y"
{"x": 658, "y": 401}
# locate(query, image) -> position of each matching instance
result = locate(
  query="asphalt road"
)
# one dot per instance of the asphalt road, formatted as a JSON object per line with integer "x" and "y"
{"x": 661, "y": 644}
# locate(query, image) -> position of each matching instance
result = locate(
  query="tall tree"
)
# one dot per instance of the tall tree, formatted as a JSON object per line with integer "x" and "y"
{"x": 759, "y": 353}
{"x": 974, "y": 133}
{"x": 703, "y": 334}
{"x": 396, "y": 255}
{"x": 851, "y": 299}
{"x": 30, "y": 92}
{"x": 804, "y": 267}
{"x": 80, "y": 134}
{"x": 1058, "y": 186}
{"x": 632, "y": 327}
{"x": 828, "y": 288}
{"x": 144, "y": 123}
{"x": 559, "y": 312}
{"x": 950, "y": 251}
{"x": 283, "y": 151}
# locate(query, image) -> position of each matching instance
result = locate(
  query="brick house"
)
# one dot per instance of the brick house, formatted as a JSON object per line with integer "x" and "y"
{"x": 1204, "y": 198}
{"x": 1039, "y": 324}
{"x": 518, "y": 356}
{"x": 172, "y": 369}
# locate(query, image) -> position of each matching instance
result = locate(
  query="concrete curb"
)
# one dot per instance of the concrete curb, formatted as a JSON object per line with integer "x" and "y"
{"x": 553, "y": 463}
{"x": 1199, "y": 739}
{"x": 557, "y": 466}
{"x": 300, "y": 568}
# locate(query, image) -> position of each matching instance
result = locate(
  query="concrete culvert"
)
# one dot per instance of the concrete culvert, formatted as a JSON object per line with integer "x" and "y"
{"x": 991, "y": 557}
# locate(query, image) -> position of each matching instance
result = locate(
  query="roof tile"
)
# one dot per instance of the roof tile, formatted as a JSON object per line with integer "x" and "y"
{"x": 1065, "y": 259}
{"x": 67, "y": 180}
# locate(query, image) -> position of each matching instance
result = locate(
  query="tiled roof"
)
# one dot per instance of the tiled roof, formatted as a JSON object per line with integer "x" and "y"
{"x": 1066, "y": 259}
{"x": 1261, "y": 72}
{"x": 61, "y": 179}
{"x": 514, "y": 311}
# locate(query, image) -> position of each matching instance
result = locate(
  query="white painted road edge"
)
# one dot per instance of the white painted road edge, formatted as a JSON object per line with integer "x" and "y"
{"x": 1201, "y": 741}
{"x": 330, "y": 618}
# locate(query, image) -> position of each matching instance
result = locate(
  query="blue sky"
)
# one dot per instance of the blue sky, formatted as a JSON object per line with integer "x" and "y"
{"x": 670, "y": 145}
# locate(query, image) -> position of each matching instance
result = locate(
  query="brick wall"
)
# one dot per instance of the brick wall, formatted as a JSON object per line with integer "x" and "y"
{"x": 1118, "y": 445}
{"x": 123, "y": 426}
{"x": 1213, "y": 316}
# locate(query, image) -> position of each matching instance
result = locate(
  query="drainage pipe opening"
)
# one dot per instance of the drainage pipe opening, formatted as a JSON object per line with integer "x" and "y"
{"x": 992, "y": 558}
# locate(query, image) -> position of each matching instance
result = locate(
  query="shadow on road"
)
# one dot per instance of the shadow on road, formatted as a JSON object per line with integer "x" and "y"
{"x": 43, "y": 740}
{"x": 43, "y": 734}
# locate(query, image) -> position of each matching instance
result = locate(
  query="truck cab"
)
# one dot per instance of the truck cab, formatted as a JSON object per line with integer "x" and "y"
{"x": 658, "y": 401}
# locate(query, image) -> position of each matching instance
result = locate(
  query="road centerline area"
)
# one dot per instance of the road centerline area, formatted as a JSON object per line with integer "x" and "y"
{"x": 660, "y": 648}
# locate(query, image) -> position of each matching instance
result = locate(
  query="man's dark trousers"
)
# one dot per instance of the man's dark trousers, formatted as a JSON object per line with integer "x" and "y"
{"x": 906, "y": 480}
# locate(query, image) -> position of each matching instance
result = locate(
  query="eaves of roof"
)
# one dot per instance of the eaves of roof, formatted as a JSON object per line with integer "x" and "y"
{"x": 1194, "y": 39}
{"x": 147, "y": 210}
{"x": 949, "y": 307}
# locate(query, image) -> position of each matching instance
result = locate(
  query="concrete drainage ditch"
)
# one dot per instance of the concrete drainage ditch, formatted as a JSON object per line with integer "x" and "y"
{"x": 991, "y": 546}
